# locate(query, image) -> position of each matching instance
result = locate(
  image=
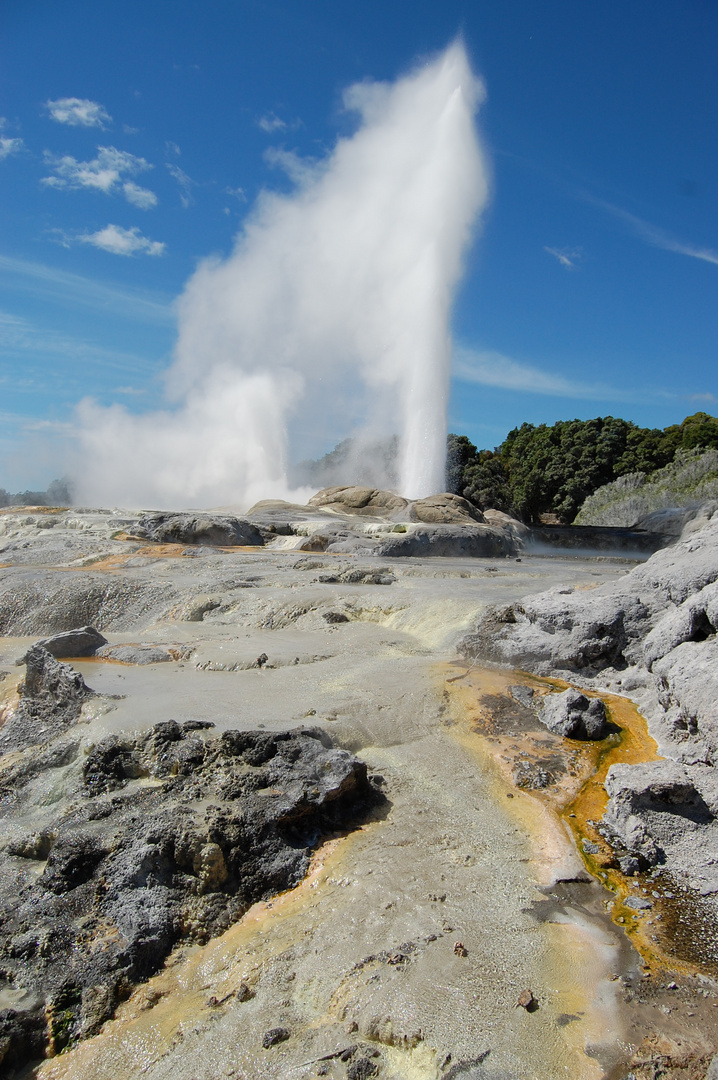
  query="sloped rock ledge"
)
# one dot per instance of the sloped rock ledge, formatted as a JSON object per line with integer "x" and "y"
{"x": 167, "y": 835}
{"x": 651, "y": 636}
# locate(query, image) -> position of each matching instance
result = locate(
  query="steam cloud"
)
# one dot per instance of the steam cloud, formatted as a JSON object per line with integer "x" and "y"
{"x": 330, "y": 318}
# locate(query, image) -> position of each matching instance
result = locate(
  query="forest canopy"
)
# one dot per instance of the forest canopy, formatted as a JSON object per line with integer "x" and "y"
{"x": 545, "y": 470}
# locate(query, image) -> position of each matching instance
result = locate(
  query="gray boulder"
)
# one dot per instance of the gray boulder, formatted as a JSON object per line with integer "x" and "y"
{"x": 575, "y": 716}
{"x": 85, "y": 641}
{"x": 650, "y": 805}
{"x": 213, "y": 529}
{"x": 449, "y": 541}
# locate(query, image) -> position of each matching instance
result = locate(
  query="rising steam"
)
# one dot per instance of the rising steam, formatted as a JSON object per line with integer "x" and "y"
{"x": 330, "y": 318}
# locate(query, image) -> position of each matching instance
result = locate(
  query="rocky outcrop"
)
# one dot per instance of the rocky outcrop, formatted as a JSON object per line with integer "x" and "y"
{"x": 450, "y": 541}
{"x": 131, "y": 867}
{"x": 213, "y": 529}
{"x": 652, "y": 635}
{"x": 51, "y": 700}
{"x": 575, "y": 716}
{"x": 445, "y": 509}
{"x": 364, "y": 501}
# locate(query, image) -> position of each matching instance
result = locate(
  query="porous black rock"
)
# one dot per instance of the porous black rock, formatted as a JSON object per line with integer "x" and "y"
{"x": 51, "y": 700}
{"x": 132, "y": 867}
{"x": 575, "y": 716}
{"x": 212, "y": 529}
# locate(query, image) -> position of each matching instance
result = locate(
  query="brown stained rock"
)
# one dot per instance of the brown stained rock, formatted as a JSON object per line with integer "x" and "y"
{"x": 460, "y": 949}
{"x": 527, "y": 1001}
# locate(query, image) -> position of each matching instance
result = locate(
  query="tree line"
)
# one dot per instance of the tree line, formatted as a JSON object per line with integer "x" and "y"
{"x": 551, "y": 469}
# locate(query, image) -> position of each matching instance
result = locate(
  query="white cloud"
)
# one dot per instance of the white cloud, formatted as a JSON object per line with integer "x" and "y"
{"x": 10, "y": 146}
{"x": 567, "y": 257}
{"x": 172, "y": 148}
{"x": 104, "y": 173}
{"x": 271, "y": 123}
{"x": 654, "y": 235}
{"x": 139, "y": 196}
{"x": 238, "y": 193}
{"x": 119, "y": 241}
{"x": 78, "y": 112}
{"x": 185, "y": 182}
{"x": 300, "y": 170}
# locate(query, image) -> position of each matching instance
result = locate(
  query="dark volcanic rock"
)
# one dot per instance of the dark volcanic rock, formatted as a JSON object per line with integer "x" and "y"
{"x": 212, "y": 529}
{"x": 133, "y": 867}
{"x": 575, "y": 716}
{"x": 84, "y": 641}
{"x": 51, "y": 700}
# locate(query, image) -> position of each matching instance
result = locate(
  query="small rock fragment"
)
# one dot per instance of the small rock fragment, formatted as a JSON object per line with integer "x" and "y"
{"x": 274, "y": 1036}
{"x": 527, "y": 1001}
{"x": 460, "y": 949}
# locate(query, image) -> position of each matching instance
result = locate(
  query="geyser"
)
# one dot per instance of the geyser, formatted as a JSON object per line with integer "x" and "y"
{"x": 330, "y": 318}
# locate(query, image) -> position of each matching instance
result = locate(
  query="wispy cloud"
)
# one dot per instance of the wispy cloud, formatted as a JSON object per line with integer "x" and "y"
{"x": 270, "y": 123}
{"x": 185, "y": 183}
{"x": 139, "y": 196}
{"x": 119, "y": 241}
{"x": 300, "y": 170}
{"x": 238, "y": 192}
{"x": 20, "y": 337}
{"x": 104, "y": 173}
{"x": 491, "y": 368}
{"x": 9, "y": 146}
{"x": 51, "y": 284}
{"x": 654, "y": 235}
{"x": 567, "y": 257}
{"x": 78, "y": 112}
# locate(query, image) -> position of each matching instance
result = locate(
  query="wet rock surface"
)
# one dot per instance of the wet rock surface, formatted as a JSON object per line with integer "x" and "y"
{"x": 198, "y": 529}
{"x": 652, "y": 636}
{"x": 168, "y": 835}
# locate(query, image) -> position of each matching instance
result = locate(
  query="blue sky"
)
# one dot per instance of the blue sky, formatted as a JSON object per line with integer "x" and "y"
{"x": 137, "y": 136}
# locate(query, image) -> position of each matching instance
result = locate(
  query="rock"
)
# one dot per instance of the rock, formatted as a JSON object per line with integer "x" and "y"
{"x": 527, "y": 1001}
{"x": 51, "y": 700}
{"x": 524, "y": 695}
{"x": 84, "y": 641}
{"x": 362, "y": 1069}
{"x": 274, "y": 1036}
{"x": 333, "y": 617}
{"x": 198, "y": 607}
{"x": 364, "y": 501}
{"x": 445, "y": 509}
{"x": 228, "y": 820}
{"x": 450, "y": 541}
{"x": 647, "y": 802}
{"x": 358, "y": 576}
{"x": 637, "y": 903}
{"x": 213, "y": 529}
{"x": 575, "y": 716}
{"x": 135, "y": 654}
{"x": 712, "y": 1073}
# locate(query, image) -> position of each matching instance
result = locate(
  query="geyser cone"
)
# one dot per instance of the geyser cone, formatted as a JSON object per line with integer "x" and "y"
{"x": 330, "y": 318}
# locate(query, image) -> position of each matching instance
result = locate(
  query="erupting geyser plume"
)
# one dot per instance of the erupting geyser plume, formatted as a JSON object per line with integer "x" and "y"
{"x": 331, "y": 315}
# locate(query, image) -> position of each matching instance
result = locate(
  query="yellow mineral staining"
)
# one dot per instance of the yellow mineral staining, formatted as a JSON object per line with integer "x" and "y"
{"x": 575, "y": 792}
